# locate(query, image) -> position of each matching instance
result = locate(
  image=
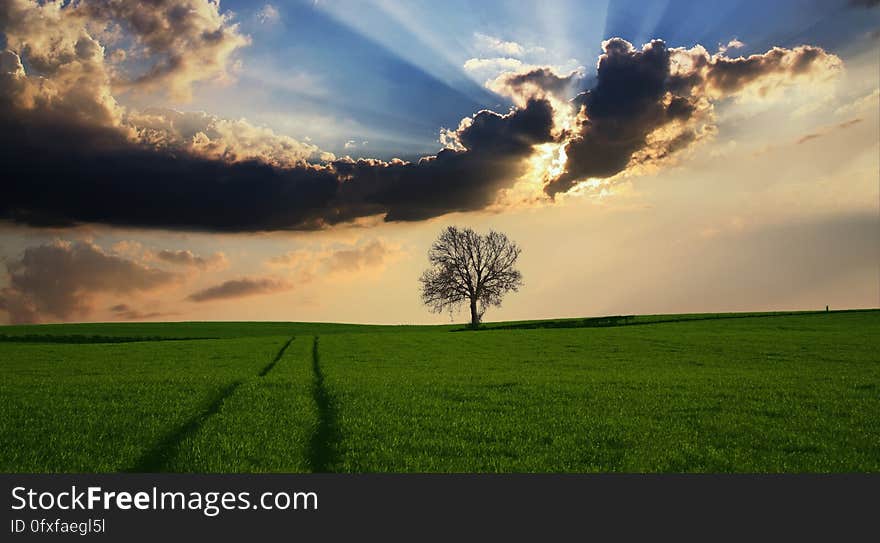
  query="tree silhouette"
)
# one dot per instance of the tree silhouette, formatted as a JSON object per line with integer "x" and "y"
{"x": 467, "y": 267}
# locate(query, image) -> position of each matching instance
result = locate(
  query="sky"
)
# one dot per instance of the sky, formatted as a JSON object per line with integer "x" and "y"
{"x": 195, "y": 160}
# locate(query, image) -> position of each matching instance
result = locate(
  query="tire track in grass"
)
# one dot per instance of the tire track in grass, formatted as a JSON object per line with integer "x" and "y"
{"x": 324, "y": 443}
{"x": 278, "y": 356}
{"x": 166, "y": 450}
{"x": 157, "y": 458}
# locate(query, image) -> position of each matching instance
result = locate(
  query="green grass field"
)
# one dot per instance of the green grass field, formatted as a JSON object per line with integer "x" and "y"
{"x": 796, "y": 392}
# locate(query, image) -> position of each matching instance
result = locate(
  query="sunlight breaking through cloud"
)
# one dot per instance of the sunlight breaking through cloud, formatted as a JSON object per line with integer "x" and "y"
{"x": 643, "y": 108}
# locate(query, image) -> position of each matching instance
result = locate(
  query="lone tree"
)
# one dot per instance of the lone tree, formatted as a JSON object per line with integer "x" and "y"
{"x": 467, "y": 267}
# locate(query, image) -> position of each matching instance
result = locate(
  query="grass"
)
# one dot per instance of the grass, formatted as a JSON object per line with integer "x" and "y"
{"x": 791, "y": 393}
{"x": 264, "y": 425}
{"x": 113, "y": 407}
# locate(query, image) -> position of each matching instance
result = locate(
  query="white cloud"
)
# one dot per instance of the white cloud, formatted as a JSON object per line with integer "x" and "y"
{"x": 268, "y": 14}
{"x": 488, "y": 66}
{"x": 491, "y": 44}
{"x": 495, "y": 56}
{"x": 732, "y": 44}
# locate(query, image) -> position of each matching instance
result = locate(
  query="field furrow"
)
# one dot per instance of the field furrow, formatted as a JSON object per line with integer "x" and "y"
{"x": 275, "y": 360}
{"x": 325, "y": 439}
{"x": 114, "y": 407}
{"x": 266, "y": 424}
{"x": 160, "y": 457}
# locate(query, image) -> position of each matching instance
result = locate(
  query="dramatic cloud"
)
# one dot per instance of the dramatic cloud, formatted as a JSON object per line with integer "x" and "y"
{"x": 187, "y": 258}
{"x": 208, "y": 136}
{"x": 489, "y": 154}
{"x": 60, "y": 280}
{"x": 722, "y": 76}
{"x": 69, "y": 78}
{"x": 239, "y": 288}
{"x": 628, "y": 102}
{"x": 72, "y": 76}
{"x": 67, "y": 174}
{"x": 652, "y": 102}
{"x": 187, "y": 40}
{"x": 173, "y": 43}
{"x": 71, "y": 154}
{"x": 535, "y": 83}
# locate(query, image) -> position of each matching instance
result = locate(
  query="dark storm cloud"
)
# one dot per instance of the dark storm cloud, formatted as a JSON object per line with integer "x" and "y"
{"x": 453, "y": 180}
{"x": 730, "y": 75}
{"x": 544, "y": 78}
{"x": 621, "y": 110}
{"x": 652, "y": 102}
{"x": 864, "y": 3}
{"x": 60, "y": 280}
{"x": 239, "y": 288}
{"x": 60, "y": 173}
{"x": 535, "y": 83}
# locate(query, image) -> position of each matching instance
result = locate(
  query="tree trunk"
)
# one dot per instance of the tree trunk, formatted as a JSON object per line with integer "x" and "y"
{"x": 475, "y": 317}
